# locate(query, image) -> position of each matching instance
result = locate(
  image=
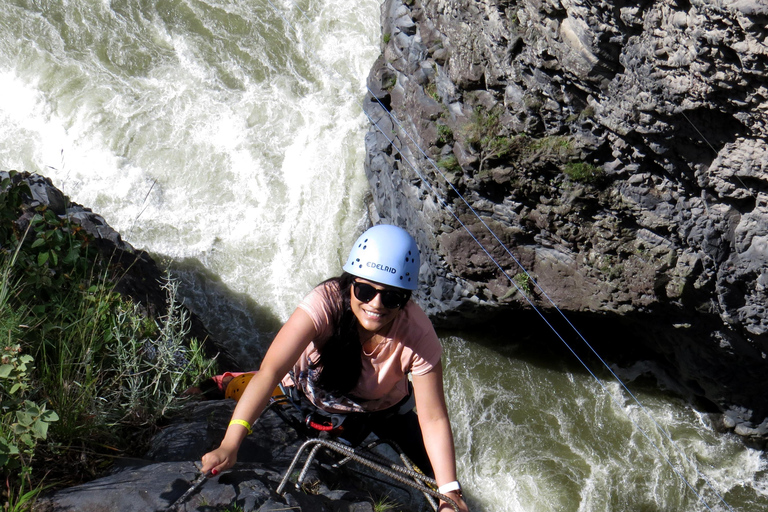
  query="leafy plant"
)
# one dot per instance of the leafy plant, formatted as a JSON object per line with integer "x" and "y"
{"x": 523, "y": 283}
{"x": 23, "y": 423}
{"x": 58, "y": 257}
{"x": 444, "y": 134}
{"x": 486, "y": 133}
{"x": 583, "y": 172}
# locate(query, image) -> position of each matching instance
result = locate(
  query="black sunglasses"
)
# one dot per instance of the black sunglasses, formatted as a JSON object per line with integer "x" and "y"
{"x": 390, "y": 299}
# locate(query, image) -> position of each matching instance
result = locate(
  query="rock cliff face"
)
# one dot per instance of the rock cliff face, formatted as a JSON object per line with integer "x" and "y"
{"x": 618, "y": 150}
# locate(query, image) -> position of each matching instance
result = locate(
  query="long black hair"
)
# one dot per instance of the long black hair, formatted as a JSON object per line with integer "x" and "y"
{"x": 340, "y": 362}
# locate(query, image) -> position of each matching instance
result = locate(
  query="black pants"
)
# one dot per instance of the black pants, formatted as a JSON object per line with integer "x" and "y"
{"x": 390, "y": 425}
{"x": 398, "y": 424}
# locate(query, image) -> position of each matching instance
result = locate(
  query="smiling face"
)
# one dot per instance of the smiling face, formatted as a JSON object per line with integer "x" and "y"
{"x": 373, "y": 316}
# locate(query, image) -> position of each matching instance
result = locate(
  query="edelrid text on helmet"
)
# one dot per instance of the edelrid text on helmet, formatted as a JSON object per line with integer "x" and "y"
{"x": 383, "y": 268}
{"x": 385, "y": 254}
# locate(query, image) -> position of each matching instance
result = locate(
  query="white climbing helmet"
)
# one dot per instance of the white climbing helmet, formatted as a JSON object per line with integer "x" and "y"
{"x": 385, "y": 254}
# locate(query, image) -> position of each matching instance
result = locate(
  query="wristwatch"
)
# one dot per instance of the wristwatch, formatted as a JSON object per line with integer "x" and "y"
{"x": 449, "y": 487}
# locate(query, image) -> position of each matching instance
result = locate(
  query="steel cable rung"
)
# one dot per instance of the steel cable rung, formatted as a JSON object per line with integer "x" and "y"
{"x": 396, "y": 472}
{"x": 384, "y": 461}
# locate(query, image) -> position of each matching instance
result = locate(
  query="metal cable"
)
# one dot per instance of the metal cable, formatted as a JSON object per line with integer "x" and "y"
{"x": 396, "y": 472}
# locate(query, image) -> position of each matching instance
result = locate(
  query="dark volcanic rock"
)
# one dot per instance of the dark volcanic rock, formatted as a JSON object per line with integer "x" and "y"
{"x": 618, "y": 151}
{"x": 172, "y": 463}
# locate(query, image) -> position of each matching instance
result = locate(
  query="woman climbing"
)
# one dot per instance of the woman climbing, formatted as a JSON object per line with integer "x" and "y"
{"x": 348, "y": 348}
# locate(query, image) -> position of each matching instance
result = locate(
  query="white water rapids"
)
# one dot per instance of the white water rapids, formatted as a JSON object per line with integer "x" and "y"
{"x": 227, "y": 137}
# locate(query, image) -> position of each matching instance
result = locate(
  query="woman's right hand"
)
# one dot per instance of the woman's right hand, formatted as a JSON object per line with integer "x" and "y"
{"x": 219, "y": 460}
{"x": 292, "y": 339}
{"x": 445, "y": 507}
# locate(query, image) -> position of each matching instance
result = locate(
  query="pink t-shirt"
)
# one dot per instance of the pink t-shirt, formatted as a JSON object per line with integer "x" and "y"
{"x": 411, "y": 346}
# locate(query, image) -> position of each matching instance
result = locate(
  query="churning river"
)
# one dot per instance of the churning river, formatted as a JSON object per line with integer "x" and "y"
{"x": 226, "y": 138}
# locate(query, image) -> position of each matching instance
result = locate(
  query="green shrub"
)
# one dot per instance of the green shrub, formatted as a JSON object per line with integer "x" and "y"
{"x": 149, "y": 371}
{"x": 449, "y": 163}
{"x": 57, "y": 257}
{"x": 484, "y": 126}
{"x": 524, "y": 283}
{"x": 583, "y": 172}
{"x": 444, "y": 134}
{"x": 23, "y": 423}
{"x": 486, "y": 133}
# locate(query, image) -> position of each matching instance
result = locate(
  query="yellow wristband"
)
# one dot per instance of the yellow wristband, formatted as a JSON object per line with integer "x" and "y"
{"x": 242, "y": 423}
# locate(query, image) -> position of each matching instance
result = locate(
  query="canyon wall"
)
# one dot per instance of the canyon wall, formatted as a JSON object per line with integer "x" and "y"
{"x": 602, "y": 159}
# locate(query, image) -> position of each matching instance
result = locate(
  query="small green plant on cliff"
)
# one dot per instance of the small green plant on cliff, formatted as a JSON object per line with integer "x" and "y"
{"x": 555, "y": 142}
{"x": 485, "y": 133}
{"x": 431, "y": 91}
{"x": 444, "y": 134}
{"x": 523, "y": 283}
{"x": 484, "y": 126}
{"x": 587, "y": 113}
{"x": 583, "y": 172}
{"x": 449, "y": 163}
{"x": 389, "y": 83}
{"x": 387, "y": 37}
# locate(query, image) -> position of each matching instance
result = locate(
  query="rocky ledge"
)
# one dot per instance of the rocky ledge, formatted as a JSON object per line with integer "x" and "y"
{"x": 609, "y": 157}
{"x": 159, "y": 480}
